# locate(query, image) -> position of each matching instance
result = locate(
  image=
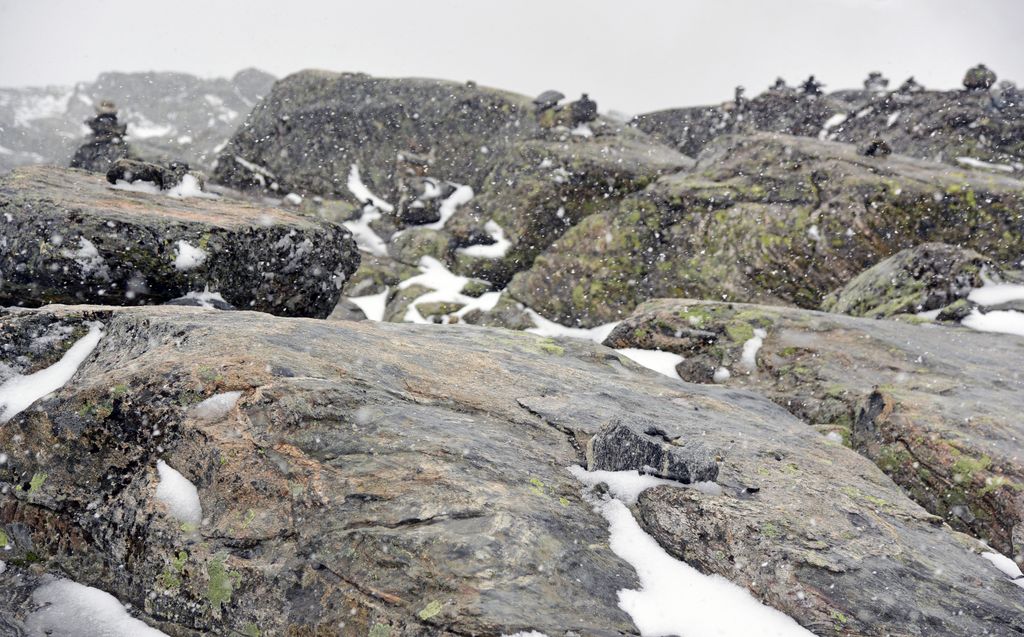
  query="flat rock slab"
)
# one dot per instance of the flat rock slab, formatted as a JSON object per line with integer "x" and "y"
{"x": 67, "y": 236}
{"x": 936, "y": 407}
{"x": 411, "y": 480}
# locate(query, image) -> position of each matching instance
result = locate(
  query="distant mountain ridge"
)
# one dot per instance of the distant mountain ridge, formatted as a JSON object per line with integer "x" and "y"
{"x": 169, "y": 115}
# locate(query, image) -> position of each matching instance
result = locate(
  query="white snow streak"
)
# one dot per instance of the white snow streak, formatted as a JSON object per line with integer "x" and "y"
{"x": 19, "y": 392}
{"x": 496, "y": 250}
{"x": 675, "y": 598}
{"x": 662, "y": 362}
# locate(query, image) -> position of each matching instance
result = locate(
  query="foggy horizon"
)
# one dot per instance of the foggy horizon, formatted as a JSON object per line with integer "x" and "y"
{"x": 691, "y": 49}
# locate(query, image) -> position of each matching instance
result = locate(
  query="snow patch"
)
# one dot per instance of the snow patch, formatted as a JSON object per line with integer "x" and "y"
{"x": 147, "y": 129}
{"x": 146, "y": 187}
{"x": 366, "y": 238}
{"x": 675, "y": 598}
{"x": 189, "y": 257}
{"x": 189, "y": 187}
{"x": 446, "y": 287}
{"x": 582, "y": 131}
{"x": 372, "y": 305}
{"x": 748, "y": 358}
{"x": 461, "y": 196}
{"x": 1002, "y": 321}
{"x": 206, "y": 298}
{"x": 496, "y": 250}
{"x": 178, "y": 495}
{"x": 70, "y": 609}
{"x": 19, "y": 392}
{"x": 662, "y": 362}
{"x": 41, "y": 107}
{"x": 995, "y": 293}
{"x": 721, "y": 375}
{"x": 831, "y": 123}
{"x": 1007, "y": 566}
{"x": 363, "y": 194}
{"x": 552, "y": 329}
{"x": 217, "y": 406}
{"x": 87, "y": 256}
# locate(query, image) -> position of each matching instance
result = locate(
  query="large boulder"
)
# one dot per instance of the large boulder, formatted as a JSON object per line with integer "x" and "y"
{"x": 412, "y": 480}
{"x": 313, "y": 126}
{"x": 924, "y": 278}
{"x": 540, "y": 188}
{"x": 70, "y": 237}
{"x": 936, "y": 408}
{"x": 767, "y": 218}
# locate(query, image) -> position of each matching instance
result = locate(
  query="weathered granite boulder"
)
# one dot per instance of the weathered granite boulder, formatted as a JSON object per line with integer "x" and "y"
{"x": 937, "y": 408}
{"x": 767, "y": 218}
{"x": 540, "y": 188}
{"x": 69, "y": 237}
{"x": 411, "y": 480}
{"x": 313, "y": 126}
{"x": 927, "y": 277}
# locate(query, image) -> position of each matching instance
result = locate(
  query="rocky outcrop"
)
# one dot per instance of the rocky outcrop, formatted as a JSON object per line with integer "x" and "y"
{"x": 936, "y": 408}
{"x": 314, "y": 126}
{"x": 169, "y": 116}
{"x": 767, "y": 218}
{"x": 411, "y": 480}
{"x": 406, "y": 145}
{"x": 947, "y": 126}
{"x": 924, "y": 278}
{"x": 70, "y": 237}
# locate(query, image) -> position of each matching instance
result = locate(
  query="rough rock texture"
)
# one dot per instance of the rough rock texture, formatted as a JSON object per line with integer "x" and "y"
{"x": 68, "y": 237}
{"x": 933, "y": 125}
{"x": 314, "y": 125}
{"x": 411, "y": 480}
{"x": 170, "y": 116}
{"x": 936, "y": 408}
{"x": 647, "y": 448}
{"x": 540, "y": 188}
{"x": 411, "y": 138}
{"x": 927, "y": 277}
{"x": 768, "y": 218}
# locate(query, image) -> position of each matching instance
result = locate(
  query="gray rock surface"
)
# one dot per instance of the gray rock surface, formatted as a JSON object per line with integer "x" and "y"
{"x": 767, "y": 218}
{"x": 937, "y": 408}
{"x": 934, "y": 125}
{"x": 647, "y": 448}
{"x": 926, "y": 277}
{"x": 69, "y": 237}
{"x": 390, "y": 476}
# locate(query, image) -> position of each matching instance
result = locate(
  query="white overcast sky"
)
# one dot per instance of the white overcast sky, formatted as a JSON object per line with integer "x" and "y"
{"x": 630, "y": 55}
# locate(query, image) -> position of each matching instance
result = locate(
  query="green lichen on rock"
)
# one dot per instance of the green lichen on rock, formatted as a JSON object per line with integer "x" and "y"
{"x": 221, "y": 582}
{"x": 430, "y": 610}
{"x": 37, "y": 481}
